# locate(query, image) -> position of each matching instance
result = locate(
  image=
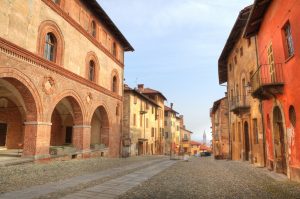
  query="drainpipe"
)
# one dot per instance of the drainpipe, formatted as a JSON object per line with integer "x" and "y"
{"x": 261, "y": 108}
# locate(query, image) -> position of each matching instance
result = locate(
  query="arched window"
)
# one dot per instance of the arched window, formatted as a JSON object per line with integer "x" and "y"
{"x": 114, "y": 49}
{"x": 115, "y": 84}
{"x": 56, "y": 1}
{"x": 50, "y": 47}
{"x": 93, "y": 28}
{"x": 92, "y": 70}
{"x": 50, "y": 42}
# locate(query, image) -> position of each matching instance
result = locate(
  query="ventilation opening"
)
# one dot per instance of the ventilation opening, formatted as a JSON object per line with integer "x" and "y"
{"x": 74, "y": 156}
{"x": 102, "y": 154}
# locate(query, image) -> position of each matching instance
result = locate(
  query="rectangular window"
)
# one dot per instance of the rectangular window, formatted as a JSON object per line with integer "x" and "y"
{"x": 288, "y": 40}
{"x": 241, "y": 51}
{"x": 152, "y": 110}
{"x": 166, "y": 114}
{"x": 166, "y": 135}
{"x": 134, "y": 119}
{"x": 166, "y": 123}
{"x": 233, "y": 132}
{"x": 239, "y": 132}
{"x": 230, "y": 67}
{"x": 185, "y": 137}
{"x": 271, "y": 63}
{"x": 152, "y": 132}
{"x": 255, "y": 131}
{"x": 235, "y": 60}
{"x": 135, "y": 99}
{"x": 249, "y": 42}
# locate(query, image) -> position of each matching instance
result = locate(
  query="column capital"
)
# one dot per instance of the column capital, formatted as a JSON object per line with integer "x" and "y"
{"x": 38, "y": 123}
{"x": 82, "y": 126}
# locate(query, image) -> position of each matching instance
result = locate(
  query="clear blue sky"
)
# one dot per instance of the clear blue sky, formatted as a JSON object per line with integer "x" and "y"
{"x": 177, "y": 45}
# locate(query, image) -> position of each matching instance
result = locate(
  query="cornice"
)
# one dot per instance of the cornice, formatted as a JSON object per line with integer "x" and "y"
{"x": 20, "y": 53}
{"x": 79, "y": 28}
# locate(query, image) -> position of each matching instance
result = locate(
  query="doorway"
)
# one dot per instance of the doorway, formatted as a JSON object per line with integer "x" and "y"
{"x": 3, "y": 132}
{"x": 279, "y": 143}
{"x": 69, "y": 133}
{"x": 247, "y": 143}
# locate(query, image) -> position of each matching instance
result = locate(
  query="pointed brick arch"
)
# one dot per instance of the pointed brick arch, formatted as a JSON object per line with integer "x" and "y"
{"x": 76, "y": 103}
{"x": 28, "y": 91}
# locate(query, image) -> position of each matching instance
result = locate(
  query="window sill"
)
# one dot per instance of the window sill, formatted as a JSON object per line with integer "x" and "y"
{"x": 288, "y": 59}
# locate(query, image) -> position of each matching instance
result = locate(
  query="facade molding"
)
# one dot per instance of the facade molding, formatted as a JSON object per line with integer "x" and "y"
{"x": 73, "y": 23}
{"x": 27, "y": 56}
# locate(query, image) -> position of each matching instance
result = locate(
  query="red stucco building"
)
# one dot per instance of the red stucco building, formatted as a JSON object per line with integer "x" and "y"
{"x": 276, "y": 26}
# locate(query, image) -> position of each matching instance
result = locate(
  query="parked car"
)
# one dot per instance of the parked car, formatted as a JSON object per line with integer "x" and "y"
{"x": 204, "y": 154}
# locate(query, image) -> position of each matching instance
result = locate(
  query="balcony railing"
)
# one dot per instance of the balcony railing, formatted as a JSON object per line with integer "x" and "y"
{"x": 240, "y": 104}
{"x": 267, "y": 81}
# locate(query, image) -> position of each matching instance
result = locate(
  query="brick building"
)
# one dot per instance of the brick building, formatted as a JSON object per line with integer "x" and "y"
{"x": 220, "y": 130}
{"x": 140, "y": 123}
{"x": 275, "y": 82}
{"x": 237, "y": 64}
{"x": 61, "y": 68}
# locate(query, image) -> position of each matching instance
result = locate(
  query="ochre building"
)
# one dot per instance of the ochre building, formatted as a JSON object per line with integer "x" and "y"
{"x": 61, "y": 70}
{"x": 140, "y": 124}
{"x": 159, "y": 99}
{"x": 237, "y": 65}
{"x": 220, "y": 130}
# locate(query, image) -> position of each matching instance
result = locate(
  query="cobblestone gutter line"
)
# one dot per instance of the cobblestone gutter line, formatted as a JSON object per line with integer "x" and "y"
{"x": 40, "y": 190}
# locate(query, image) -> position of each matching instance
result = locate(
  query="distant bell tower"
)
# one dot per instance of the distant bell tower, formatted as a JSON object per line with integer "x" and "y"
{"x": 204, "y": 138}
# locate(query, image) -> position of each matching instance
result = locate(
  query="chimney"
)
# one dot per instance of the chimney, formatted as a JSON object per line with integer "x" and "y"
{"x": 141, "y": 87}
{"x": 172, "y": 106}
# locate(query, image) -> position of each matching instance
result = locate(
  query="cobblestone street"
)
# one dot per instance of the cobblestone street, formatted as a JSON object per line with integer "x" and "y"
{"x": 208, "y": 178}
{"x": 146, "y": 177}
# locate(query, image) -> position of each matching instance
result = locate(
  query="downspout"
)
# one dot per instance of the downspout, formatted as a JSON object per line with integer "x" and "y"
{"x": 261, "y": 108}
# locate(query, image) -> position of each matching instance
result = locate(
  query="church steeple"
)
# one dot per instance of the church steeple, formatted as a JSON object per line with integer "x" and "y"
{"x": 204, "y": 138}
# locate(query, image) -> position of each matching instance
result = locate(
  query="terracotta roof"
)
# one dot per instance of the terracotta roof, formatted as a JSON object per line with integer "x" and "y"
{"x": 216, "y": 105}
{"x": 195, "y": 143}
{"x": 128, "y": 89}
{"x": 203, "y": 147}
{"x": 256, "y": 16}
{"x": 186, "y": 130}
{"x": 94, "y": 6}
{"x": 235, "y": 34}
{"x": 152, "y": 91}
{"x": 170, "y": 110}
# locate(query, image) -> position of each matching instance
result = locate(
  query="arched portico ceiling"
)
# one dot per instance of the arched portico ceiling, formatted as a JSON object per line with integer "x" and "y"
{"x": 69, "y": 104}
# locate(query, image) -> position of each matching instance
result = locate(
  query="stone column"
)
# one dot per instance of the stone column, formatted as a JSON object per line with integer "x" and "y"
{"x": 82, "y": 137}
{"x": 36, "y": 139}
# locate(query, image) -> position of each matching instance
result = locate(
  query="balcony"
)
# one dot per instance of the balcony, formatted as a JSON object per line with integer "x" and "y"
{"x": 267, "y": 81}
{"x": 240, "y": 104}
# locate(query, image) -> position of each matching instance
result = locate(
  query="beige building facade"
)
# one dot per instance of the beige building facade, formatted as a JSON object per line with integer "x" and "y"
{"x": 61, "y": 70}
{"x": 237, "y": 65}
{"x": 159, "y": 99}
{"x": 220, "y": 130}
{"x": 140, "y": 124}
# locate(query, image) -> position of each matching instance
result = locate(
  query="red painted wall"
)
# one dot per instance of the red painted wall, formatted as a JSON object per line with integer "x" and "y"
{"x": 279, "y": 13}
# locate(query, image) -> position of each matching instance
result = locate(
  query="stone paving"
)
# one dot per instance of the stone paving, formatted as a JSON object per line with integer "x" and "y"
{"x": 210, "y": 179}
{"x": 118, "y": 186}
{"x": 41, "y": 190}
{"x": 162, "y": 178}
